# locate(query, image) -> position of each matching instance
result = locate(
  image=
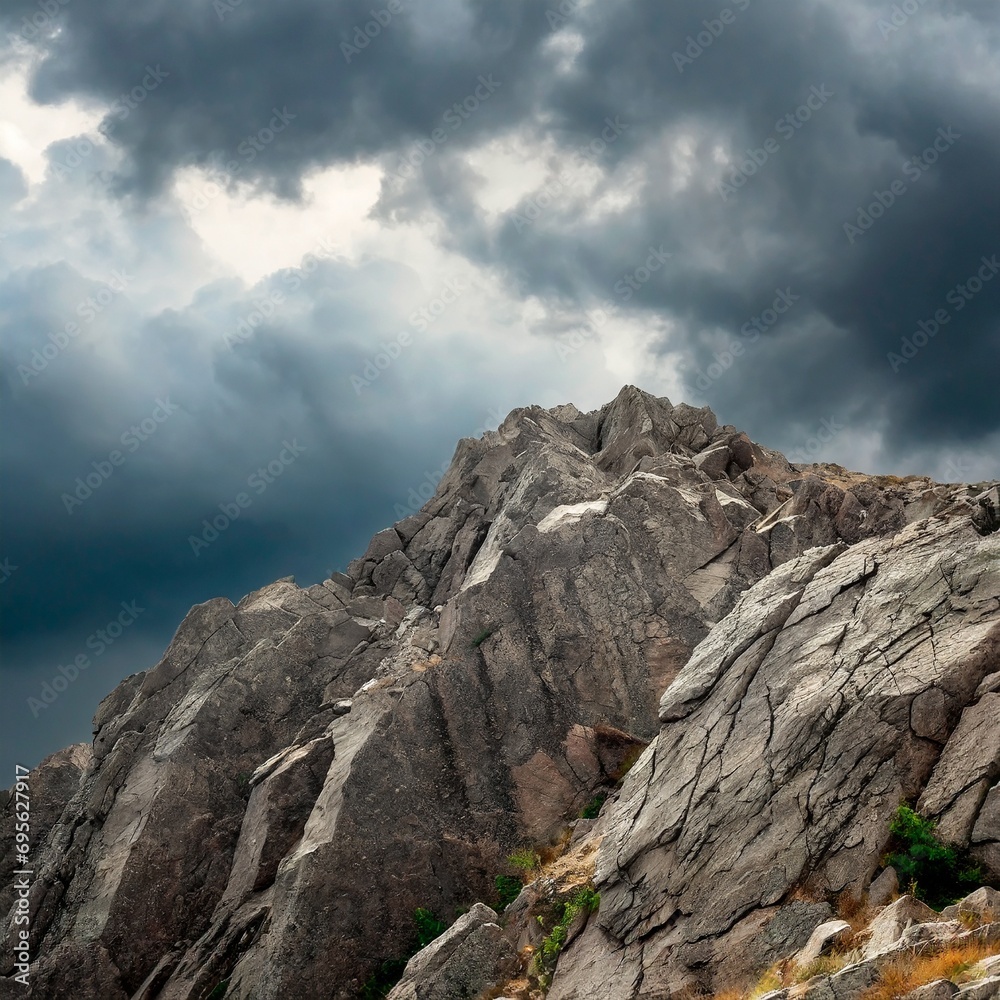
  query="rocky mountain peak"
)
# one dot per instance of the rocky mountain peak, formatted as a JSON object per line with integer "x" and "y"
{"x": 754, "y": 661}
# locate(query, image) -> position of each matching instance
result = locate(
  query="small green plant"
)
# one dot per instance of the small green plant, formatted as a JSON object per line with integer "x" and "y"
{"x": 220, "y": 991}
{"x": 593, "y": 808}
{"x": 585, "y": 899}
{"x": 525, "y": 858}
{"x": 428, "y": 926}
{"x": 482, "y": 637}
{"x": 937, "y": 873}
{"x": 378, "y": 985}
{"x": 508, "y": 889}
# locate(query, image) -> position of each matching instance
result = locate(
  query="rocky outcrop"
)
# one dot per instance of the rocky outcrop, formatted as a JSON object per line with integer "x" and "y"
{"x": 468, "y": 958}
{"x": 266, "y": 808}
{"x": 848, "y": 680}
{"x": 986, "y": 511}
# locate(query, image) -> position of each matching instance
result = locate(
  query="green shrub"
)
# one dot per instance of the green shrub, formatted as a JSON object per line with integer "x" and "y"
{"x": 378, "y": 985}
{"x": 585, "y": 898}
{"x": 220, "y": 991}
{"x": 428, "y": 927}
{"x": 508, "y": 889}
{"x": 525, "y": 859}
{"x": 593, "y": 808}
{"x": 935, "y": 872}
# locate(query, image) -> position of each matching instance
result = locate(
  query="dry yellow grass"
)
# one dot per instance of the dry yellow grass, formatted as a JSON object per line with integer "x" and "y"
{"x": 896, "y": 979}
{"x": 573, "y": 868}
{"x": 859, "y": 913}
{"x": 909, "y": 971}
{"x": 825, "y": 965}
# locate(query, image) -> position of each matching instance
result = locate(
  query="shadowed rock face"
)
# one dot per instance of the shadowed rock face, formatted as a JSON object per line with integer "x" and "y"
{"x": 53, "y": 783}
{"x": 270, "y": 803}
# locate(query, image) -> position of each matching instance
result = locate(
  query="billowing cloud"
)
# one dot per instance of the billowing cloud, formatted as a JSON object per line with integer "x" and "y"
{"x": 306, "y": 246}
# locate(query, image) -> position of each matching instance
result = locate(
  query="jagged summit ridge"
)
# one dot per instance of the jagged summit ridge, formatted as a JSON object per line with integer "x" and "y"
{"x": 269, "y": 804}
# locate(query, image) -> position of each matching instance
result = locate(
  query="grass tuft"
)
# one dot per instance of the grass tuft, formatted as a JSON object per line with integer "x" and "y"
{"x": 908, "y": 971}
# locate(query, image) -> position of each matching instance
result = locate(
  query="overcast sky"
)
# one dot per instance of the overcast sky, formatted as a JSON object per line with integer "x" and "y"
{"x": 274, "y": 259}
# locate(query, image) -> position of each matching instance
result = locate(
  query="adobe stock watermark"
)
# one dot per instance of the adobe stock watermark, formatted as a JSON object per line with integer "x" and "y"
{"x": 365, "y": 34}
{"x": 123, "y": 105}
{"x": 914, "y": 168}
{"x": 20, "y": 924}
{"x": 786, "y": 127}
{"x": 426, "y": 488}
{"x": 713, "y": 29}
{"x": 567, "y": 344}
{"x": 259, "y": 481}
{"x": 586, "y": 155}
{"x": 959, "y": 468}
{"x": 455, "y": 117}
{"x": 82, "y": 147}
{"x": 265, "y": 307}
{"x": 7, "y": 570}
{"x": 809, "y": 451}
{"x": 131, "y": 440}
{"x": 248, "y": 150}
{"x": 560, "y": 15}
{"x": 899, "y": 14}
{"x": 97, "y": 642}
{"x": 40, "y": 24}
{"x": 751, "y": 331}
{"x": 632, "y": 282}
{"x": 958, "y": 298}
{"x": 421, "y": 320}
{"x": 223, "y": 8}
{"x": 87, "y": 311}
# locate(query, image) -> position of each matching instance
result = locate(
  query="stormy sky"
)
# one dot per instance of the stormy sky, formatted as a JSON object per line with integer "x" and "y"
{"x": 276, "y": 258}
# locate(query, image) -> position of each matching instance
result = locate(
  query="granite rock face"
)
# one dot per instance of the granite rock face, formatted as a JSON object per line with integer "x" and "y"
{"x": 265, "y": 809}
{"x": 849, "y": 679}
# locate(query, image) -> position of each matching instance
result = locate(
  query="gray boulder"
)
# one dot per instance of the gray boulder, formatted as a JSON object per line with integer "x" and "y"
{"x": 822, "y": 940}
{"x": 887, "y": 929}
{"x": 985, "y": 989}
{"x": 470, "y": 956}
{"x": 941, "y": 989}
{"x": 234, "y": 824}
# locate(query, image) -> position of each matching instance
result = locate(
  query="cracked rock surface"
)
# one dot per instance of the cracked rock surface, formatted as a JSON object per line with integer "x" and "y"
{"x": 267, "y": 806}
{"x": 849, "y": 679}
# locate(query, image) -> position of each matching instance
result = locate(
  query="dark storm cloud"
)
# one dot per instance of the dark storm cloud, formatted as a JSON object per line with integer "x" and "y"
{"x": 674, "y": 172}
{"x": 194, "y": 83}
{"x": 199, "y": 451}
{"x": 875, "y": 204}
